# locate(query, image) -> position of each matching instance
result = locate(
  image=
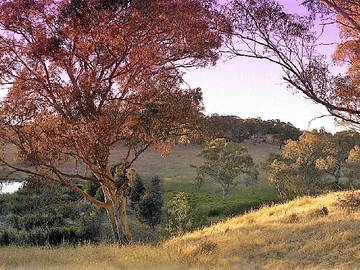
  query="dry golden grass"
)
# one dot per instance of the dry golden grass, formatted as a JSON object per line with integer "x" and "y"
{"x": 307, "y": 233}
{"x": 93, "y": 258}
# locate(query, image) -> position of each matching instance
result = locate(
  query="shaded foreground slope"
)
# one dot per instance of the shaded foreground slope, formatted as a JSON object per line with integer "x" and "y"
{"x": 307, "y": 233}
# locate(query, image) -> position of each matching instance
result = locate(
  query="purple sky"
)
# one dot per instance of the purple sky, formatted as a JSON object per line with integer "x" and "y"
{"x": 254, "y": 88}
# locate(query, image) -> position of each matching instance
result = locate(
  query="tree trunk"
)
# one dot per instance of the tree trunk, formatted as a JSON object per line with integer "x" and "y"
{"x": 111, "y": 218}
{"x": 223, "y": 193}
{"x": 121, "y": 220}
{"x": 337, "y": 174}
{"x": 117, "y": 215}
{"x": 337, "y": 180}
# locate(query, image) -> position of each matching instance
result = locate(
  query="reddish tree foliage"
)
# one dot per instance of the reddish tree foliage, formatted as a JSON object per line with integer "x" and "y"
{"x": 84, "y": 75}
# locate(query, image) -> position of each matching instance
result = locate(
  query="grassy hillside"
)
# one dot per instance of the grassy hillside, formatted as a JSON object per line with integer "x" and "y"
{"x": 177, "y": 175}
{"x": 299, "y": 234}
{"x": 175, "y": 165}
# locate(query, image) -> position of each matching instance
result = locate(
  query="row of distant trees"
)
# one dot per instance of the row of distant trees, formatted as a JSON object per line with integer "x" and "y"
{"x": 236, "y": 129}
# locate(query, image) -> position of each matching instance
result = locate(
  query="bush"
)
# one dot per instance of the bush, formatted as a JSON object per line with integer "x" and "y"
{"x": 36, "y": 236}
{"x": 320, "y": 212}
{"x": 4, "y": 238}
{"x": 183, "y": 215}
{"x": 59, "y": 235}
{"x": 149, "y": 208}
{"x": 291, "y": 179}
{"x": 350, "y": 201}
{"x": 136, "y": 193}
{"x": 42, "y": 215}
{"x": 91, "y": 187}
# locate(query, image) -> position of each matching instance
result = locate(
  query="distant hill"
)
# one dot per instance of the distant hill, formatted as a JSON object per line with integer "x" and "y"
{"x": 176, "y": 164}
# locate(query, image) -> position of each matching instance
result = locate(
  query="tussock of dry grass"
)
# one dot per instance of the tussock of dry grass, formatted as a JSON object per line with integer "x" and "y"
{"x": 307, "y": 233}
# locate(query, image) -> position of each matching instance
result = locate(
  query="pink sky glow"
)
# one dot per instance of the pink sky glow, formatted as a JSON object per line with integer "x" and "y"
{"x": 254, "y": 88}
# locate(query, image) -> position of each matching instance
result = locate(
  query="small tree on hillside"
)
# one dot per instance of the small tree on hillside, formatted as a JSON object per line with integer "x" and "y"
{"x": 303, "y": 164}
{"x": 300, "y": 167}
{"x": 224, "y": 163}
{"x": 345, "y": 141}
{"x": 183, "y": 214}
{"x": 353, "y": 166}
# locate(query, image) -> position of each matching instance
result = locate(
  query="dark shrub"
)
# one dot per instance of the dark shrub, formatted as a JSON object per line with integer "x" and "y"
{"x": 149, "y": 208}
{"x": 350, "y": 201}
{"x": 4, "y": 238}
{"x": 136, "y": 192}
{"x": 47, "y": 214}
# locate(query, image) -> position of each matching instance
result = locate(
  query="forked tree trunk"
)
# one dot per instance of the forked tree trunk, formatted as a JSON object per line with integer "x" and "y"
{"x": 122, "y": 225}
{"x": 112, "y": 221}
{"x": 117, "y": 215}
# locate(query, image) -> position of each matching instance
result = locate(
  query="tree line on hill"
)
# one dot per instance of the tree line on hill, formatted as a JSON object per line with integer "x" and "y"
{"x": 236, "y": 129}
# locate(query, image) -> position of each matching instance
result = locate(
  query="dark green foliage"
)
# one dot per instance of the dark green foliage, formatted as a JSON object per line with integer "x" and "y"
{"x": 4, "y": 238}
{"x": 64, "y": 234}
{"x": 99, "y": 195}
{"x": 41, "y": 214}
{"x": 149, "y": 208}
{"x": 136, "y": 192}
{"x": 91, "y": 188}
{"x": 147, "y": 203}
